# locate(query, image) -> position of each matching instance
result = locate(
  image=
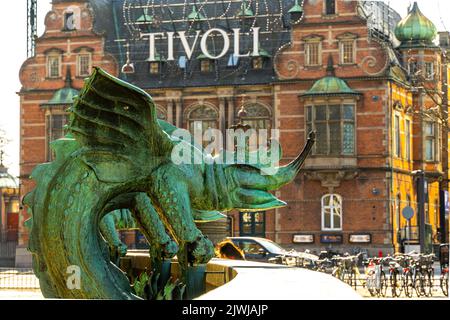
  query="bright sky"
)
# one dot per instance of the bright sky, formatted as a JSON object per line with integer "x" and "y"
{"x": 13, "y": 30}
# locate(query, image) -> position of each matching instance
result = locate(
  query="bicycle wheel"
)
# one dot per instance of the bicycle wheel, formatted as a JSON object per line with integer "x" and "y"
{"x": 355, "y": 279}
{"x": 444, "y": 284}
{"x": 395, "y": 284}
{"x": 383, "y": 284}
{"x": 418, "y": 285}
{"x": 408, "y": 284}
{"x": 428, "y": 283}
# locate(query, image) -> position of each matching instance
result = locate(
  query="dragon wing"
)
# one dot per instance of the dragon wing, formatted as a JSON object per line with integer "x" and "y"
{"x": 116, "y": 125}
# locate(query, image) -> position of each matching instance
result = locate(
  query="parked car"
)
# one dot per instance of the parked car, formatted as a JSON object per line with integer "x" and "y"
{"x": 258, "y": 249}
{"x": 265, "y": 250}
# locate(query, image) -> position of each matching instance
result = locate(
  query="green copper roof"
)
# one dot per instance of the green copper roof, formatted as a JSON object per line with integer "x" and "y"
{"x": 195, "y": 15}
{"x": 416, "y": 29}
{"x": 262, "y": 53}
{"x": 63, "y": 96}
{"x": 330, "y": 85}
{"x": 245, "y": 11}
{"x": 145, "y": 18}
{"x": 158, "y": 58}
{"x": 296, "y": 8}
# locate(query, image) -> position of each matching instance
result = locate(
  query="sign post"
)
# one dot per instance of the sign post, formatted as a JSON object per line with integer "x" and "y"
{"x": 408, "y": 214}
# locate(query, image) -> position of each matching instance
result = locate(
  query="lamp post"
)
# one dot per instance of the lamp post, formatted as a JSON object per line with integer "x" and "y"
{"x": 421, "y": 198}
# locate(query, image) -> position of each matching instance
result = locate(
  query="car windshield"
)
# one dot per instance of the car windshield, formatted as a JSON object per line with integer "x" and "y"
{"x": 272, "y": 247}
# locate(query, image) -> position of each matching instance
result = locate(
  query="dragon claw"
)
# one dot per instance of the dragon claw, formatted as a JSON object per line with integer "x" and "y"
{"x": 170, "y": 249}
{"x": 201, "y": 250}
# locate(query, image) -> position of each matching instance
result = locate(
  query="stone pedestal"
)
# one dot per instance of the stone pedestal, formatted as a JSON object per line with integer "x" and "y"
{"x": 23, "y": 258}
{"x": 216, "y": 231}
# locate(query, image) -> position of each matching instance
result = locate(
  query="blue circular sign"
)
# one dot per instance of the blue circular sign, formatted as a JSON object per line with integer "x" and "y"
{"x": 408, "y": 213}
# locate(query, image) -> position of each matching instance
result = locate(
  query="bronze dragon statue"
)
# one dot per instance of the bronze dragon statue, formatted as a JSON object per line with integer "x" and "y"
{"x": 117, "y": 155}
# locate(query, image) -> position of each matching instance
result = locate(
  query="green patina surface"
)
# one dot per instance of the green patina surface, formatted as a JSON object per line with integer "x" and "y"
{"x": 330, "y": 85}
{"x": 416, "y": 29}
{"x": 297, "y": 8}
{"x": 116, "y": 157}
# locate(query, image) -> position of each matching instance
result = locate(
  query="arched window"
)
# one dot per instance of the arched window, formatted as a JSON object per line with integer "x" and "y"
{"x": 258, "y": 116}
{"x": 202, "y": 118}
{"x": 332, "y": 212}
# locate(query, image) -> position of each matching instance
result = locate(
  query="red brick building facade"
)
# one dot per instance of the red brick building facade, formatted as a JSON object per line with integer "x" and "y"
{"x": 339, "y": 73}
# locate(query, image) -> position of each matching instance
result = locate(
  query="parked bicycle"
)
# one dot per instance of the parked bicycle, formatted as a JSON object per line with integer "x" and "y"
{"x": 376, "y": 278}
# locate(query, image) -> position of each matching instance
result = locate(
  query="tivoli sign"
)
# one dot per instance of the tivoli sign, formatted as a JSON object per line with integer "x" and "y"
{"x": 189, "y": 48}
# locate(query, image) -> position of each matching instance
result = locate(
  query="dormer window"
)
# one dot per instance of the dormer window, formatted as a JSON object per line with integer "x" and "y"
{"x": 233, "y": 61}
{"x": 54, "y": 65}
{"x": 205, "y": 63}
{"x": 182, "y": 62}
{"x": 155, "y": 65}
{"x": 69, "y": 21}
{"x": 330, "y": 7}
{"x": 259, "y": 61}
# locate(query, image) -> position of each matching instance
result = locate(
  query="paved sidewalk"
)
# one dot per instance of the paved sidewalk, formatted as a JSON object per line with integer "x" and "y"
{"x": 21, "y": 295}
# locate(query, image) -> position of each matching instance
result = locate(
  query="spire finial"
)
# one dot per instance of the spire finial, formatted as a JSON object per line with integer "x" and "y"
{"x": 330, "y": 67}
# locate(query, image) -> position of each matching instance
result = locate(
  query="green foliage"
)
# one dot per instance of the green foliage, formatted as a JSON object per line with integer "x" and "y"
{"x": 148, "y": 287}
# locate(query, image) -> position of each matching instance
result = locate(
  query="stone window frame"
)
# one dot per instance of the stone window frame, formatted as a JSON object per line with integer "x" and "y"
{"x": 331, "y": 207}
{"x": 53, "y": 54}
{"x": 311, "y": 123}
{"x": 79, "y": 64}
{"x": 344, "y": 39}
{"x": 436, "y": 137}
{"x": 309, "y": 42}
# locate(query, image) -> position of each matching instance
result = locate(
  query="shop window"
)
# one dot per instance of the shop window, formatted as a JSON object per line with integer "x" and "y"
{"x": 331, "y": 212}
{"x": 252, "y": 224}
{"x": 335, "y": 128}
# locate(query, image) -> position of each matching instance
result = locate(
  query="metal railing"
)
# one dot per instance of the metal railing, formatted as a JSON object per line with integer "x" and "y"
{"x": 14, "y": 278}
